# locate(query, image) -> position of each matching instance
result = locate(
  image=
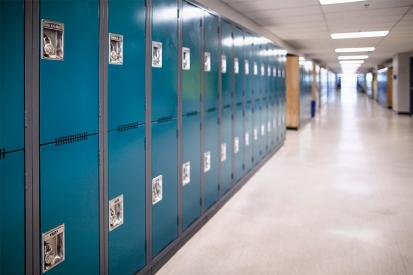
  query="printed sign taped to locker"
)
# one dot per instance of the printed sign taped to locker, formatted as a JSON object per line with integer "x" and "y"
{"x": 255, "y": 68}
{"x": 274, "y": 73}
{"x": 255, "y": 134}
{"x": 115, "y": 212}
{"x": 186, "y": 173}
{"x": 52, "y": 40}
{"x": 262, "y": 70}
{"x": 247, "y": 139}
{"x": 262, "y": 130}
{"x": 207, "y": 62}
{"x": 236, "y": 65}
{"x": 156, "y": 54}
{"x": 53, "y": 248}
{"x": 115, "y": 49}
{"x": 223, "y": 64}
{"x": 269, "y": 70}
{"x": 186, "y": 59}
{"x": 236, "y": 145}
{"x": 246, "y": 67}
{"x": 223, "y": 152}
{"x": 269, "y": 127}
{"x": 207, "y": 161}
{"x": 157, "y": 189}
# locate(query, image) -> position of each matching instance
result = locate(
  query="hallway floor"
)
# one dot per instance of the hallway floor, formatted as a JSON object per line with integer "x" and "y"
{"x": 336, "y": 199}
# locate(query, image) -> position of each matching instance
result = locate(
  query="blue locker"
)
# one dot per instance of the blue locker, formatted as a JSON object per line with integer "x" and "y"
{"x": 164, "y": 163}
{"x": 238, "y": 143}
{"x": 238, "y": 64}
{"x": 227, "y": 68}
{"x": 12, "y": 213}
{"x": 248, "y": 137}
{"x": 191, "y": 104}
{"x": 211, "y": 149}
{"x": 126, "y": 149}
{"x": 164, "y": 123}
{"x": 69, "y": 195}
{"x": 211, "y": 43}
{"x": 126, "y": 172}
{"x": 12, "y": 137}
{"x": 68, "y": 135}
{"x": 191, "y": 156}
{"x": 69, "y": 88}
{"x": 225, "y": 151}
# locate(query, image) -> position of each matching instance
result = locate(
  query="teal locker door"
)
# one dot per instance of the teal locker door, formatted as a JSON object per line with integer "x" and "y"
{"x": 126, "y": 148}
{"x": 238, "y": 95}
{"x": 164, "y": 124}
{"x": 191, "y": 104}
{"x": 225, "y": 151}
{"x": 211, "y": 158}
{"x": 164, "y": 185}
{"x": 12, "y": 137}
{"x": 238, "y": 143}
{"x": 248, "y": 137}
{"x": 227, "y": 68}
{"x": 238, "y": 64}
{"x": 69, "y": 125}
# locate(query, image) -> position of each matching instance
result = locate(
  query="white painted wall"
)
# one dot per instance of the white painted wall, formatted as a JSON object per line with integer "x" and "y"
{"x": 401, "y": 84}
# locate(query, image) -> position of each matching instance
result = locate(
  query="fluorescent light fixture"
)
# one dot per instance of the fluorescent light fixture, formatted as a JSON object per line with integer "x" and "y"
{"x": 329, "y": 2}
{"x": 345, "y": 35}
{"x": 350, "y": 57}
{"x": 352, "y": 62}
{"x": 355, "y": 50}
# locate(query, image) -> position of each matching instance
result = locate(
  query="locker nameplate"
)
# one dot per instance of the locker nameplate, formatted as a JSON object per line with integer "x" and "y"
{"x": 223, "y": 152}
{"x": 255, "y": 134}
{"x": 52, "y": 40}
{"x": 207, "y": 61}
{"x": 246, "y": 67}
{"x": 223, "y": 64}
{"x": 236, "y": 66}
{"x": 262, "y": 70}
{"x": 156, "y": 189}
{"x": 274, "y": 73}
{"x": 255, "y": 68}
{"x": 186, "y": 173}
{"x": 269, "y": 127}
{"x": 236, "y": 145}
{"x": 247, "y": 139}
{"x": 156, "y": 54}
{"x": 269, "y": 70}
{"x": 207, "y": 161}
{"x": 53, "y": 248}
{"x": 186, "y": 59}
{"x": 262, "y": 130}
{"x": 116, "y": 212}
{"x": 115, "y": 49}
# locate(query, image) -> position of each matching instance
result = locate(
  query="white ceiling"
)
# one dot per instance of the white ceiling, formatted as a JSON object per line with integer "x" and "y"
{"x": 306, "y": 25}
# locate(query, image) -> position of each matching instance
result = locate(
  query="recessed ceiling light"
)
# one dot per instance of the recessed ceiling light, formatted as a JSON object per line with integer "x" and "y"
{"x": 329, "y": 2}
{"x": 349, "y": 57}
{"x": 355, "y": 50}
{"x": 352, "y": 62}
{"x": 345, "y": 35}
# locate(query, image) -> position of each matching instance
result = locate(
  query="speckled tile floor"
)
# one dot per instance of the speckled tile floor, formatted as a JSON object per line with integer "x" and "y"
{"x": 336, "y": 199}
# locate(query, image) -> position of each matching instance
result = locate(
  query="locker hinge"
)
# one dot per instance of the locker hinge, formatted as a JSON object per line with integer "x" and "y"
{"x": 2, "y": 153}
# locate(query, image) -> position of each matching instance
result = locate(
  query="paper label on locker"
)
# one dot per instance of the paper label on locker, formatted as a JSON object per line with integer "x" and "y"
{"x": 269, "y": 70}
{"x": 186, "y": 173}
{"x": 115, "y": 212}
{"x": 223, "y": 152}
{"x": 255, "y": 134}
{"x": 273, "y": 123}
{"x": 236, "y": 65}
{"x": 207, "y": 161}
{"x": 262, "y": 130}
{"x": 274, "y": 73}
{"x": 247, "y": 139}
{"x": 247, "y": 67}
{"x": 156, "y": 189}
{"x": 236, "y": 145}
{"x": 52, "y": 40}
{"x": 156, "y": 54}
{"x": 186, "y": 59}
{"x": 223, "y": 64}
{"x": 115, "y": 49}
{"x": 255, "y": 68}
{"x": 262, "y": 70}
{"x": 269, "y": 127}
{"x": 53, "y": 248}
{"x": 207, "y": 61}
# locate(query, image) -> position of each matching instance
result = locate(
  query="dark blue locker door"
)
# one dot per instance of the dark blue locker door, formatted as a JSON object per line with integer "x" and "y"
{"x": 225, "y": 151}
{"x": 210, "y": 158}
{"x": 248, "y": 137}
{"x": 126, "y": 117}
{"x": 165, "y": 75}
{"x": 126, "y": 153}
{"x": 69, "y": 195}
{"x": 238, "y": 144}
{"x": 12, "y": 213}
{"x": 211, "y": 42}
{"x": 227, "y": 69}
{"x": 69, "y": 88}
{"x": 12, "y": 137}
{"x": 191, "y": 176}
{"x": 164, "y": 175}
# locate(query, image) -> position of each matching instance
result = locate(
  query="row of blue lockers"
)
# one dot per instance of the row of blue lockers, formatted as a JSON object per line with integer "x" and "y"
{"x": 216, "y": 89}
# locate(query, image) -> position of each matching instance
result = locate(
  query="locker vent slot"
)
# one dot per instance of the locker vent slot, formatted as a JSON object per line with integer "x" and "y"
{"x": 210, "y": 110}
{"x": 191, "y": 113}
{"x": 127, "y": 127}
{"x": 2, "y": 153}
{"x": 239, "y": 104}
{"x": 227, "y": 106}
{"x": 59, "y": 141}
{"x": 249, "y": 101}
{"x": 164, "y": 119}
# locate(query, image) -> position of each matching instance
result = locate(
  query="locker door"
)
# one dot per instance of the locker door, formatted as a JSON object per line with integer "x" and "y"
{"x": 227, "y": 69}
{"x": 210, "y": 97}
{"x": 164, "y": 124}
{"x": 225, "y": 151}
{"x": 126, "y": 148}
{"x": 191, "y": 104}
{"x": 248, "y": 137}
{"x": 12, "y": 137}
{"x": 69, "y": 136}
{"x": 238, "y": 143}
